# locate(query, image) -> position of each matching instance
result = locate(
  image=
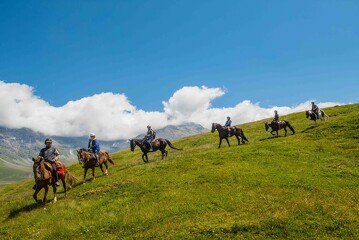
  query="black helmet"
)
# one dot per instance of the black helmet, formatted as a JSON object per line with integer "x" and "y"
{"x": 48, "y": 140}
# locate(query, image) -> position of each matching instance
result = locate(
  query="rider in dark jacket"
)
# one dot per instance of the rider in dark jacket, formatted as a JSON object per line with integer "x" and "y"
{"x": 276, "y": 118}
{"x": 150, "y": 136}
{"x": 94, "y": 146}
{"x": 315, "y": 109}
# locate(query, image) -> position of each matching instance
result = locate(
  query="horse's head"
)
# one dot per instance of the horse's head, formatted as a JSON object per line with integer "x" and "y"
{"x": 213, "y": 128}
{"x": 37, "y": 166}
{"x": 82, "y": 155}
{"x": 266, "y": 125}
{"x": 132, "y": 144}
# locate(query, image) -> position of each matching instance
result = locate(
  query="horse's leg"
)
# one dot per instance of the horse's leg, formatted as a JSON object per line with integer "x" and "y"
{"x": 93, "y": 173}
{"x": 273, "y": 133}
{"x": 163, "y": 153}
{"x": 285, "y": 130}
{"x": 220, "y": 142}
{"x": 239, "y": 141}
{"x": 146, "y": 157}
{"x": 35, "y": 194}
{"x": 106, "y": 171}
{"x": 45, "y": 194}
{"x": 143, "y": 158}
{"x": 102, "y": 169}
{"x": 166, "y": 152}
{"x": 85, "y": 175}
{"x": 277, "y": 132}
{"x": 54, "y": 190}
{"x": 228, "y": 142}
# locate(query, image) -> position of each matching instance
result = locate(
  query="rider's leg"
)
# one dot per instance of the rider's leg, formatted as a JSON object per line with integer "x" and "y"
{"x": 55, "y": 174}
{"x": 97, "y": 159}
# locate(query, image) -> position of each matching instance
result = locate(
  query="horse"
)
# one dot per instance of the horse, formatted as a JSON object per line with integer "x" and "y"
{"x": 278, "y": 126}
{"x": 157, "y": 144}
{"x": 43, "y": 177}
{"x": 315, "y": 117}
{"x": 84, "y": 157}
{"x": 225, "y": 132}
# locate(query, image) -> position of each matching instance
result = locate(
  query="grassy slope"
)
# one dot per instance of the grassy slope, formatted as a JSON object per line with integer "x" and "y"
{"x": 303, "y": 186}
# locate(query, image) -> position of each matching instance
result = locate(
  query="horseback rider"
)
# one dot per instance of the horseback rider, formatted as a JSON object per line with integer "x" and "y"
{"x": 228, "y": 122}
{"x": 94, "y": 147}
{"x": 150, "y": 136}
{"x": 315, "y": 109}
{"x": 276, "y": 118}
{"x": 227, "y": 125}
{"x": 51, "y": 155}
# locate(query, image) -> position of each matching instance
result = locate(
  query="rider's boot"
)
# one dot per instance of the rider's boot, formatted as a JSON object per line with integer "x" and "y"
{"x": 56, "y": 176}
{"x": 97, "y": 161}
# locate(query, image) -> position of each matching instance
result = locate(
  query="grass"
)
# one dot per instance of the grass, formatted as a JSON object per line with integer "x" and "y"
{"x": 303, "y": 186}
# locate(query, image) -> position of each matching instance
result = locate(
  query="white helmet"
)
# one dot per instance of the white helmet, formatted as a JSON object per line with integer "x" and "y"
{"x": 92, "y": 135}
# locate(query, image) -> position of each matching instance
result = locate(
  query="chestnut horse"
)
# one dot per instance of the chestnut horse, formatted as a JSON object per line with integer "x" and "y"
{"x": 278, "y": 126}
{"x": 84, "y": 158}
{"x": 225, "y": 132}
{"x": 157, "y": 144}
{"x": 314, "y": 116}
{"x": 43, "y": 177}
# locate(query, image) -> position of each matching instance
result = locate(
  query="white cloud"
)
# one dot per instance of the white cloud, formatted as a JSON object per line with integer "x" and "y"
{"x": 112, "y": 116}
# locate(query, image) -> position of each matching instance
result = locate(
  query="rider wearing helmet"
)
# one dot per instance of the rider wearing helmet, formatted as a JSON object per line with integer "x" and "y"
{"x": 51, "y": 155}
{"x": 150, "y": 136}
{"x": 94, "y": 147}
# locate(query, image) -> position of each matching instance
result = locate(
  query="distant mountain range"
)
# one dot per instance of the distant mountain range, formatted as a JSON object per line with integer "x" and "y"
{"x": 18, "y": 146}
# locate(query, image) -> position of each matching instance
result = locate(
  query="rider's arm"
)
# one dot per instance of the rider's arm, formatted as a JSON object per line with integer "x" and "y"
{"x": 57, "y": 155}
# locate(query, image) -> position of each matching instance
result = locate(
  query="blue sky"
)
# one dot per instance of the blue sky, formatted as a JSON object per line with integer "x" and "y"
{"x": 278, "y": 53}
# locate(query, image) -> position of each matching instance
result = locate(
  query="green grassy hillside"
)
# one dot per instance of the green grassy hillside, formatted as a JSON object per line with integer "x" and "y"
{"x": 303, "y": 186}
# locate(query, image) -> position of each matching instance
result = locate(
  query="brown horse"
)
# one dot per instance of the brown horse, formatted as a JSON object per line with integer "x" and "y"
{"x": 225, "y": 132}
{"x": 315, "y": 117}
{"x": 43, "y": 177}
{"x": 278, "y": 126}
{"x": 85, "y": 158}
{"x": 157, "y": 144}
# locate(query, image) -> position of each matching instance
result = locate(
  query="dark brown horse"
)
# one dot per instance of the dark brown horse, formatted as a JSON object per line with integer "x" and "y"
{"x": 157, "y": 144}
{"x": 44, "y": 179}
{"x": 278, "y": 126}
{"x": 85, "y": 158}
{"x": 225, "y": 132}
{"x": 314, "y": 117}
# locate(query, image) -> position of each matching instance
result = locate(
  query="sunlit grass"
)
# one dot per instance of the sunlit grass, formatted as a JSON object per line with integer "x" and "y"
{"x": 303, "y": 186}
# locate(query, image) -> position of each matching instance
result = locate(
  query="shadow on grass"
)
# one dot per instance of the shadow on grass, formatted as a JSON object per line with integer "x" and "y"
{"x": 28, "y": 208}
{"x": 307, "y": 129}
{"x": 269, "y": 138}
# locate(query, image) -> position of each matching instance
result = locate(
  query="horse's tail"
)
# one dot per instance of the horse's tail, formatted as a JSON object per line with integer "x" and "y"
{"x": 290, "y": 126}
{"x": 170, "y": 144}
{"x": 71, "y": 179}
{"x": 109, "y": 159}
{"x": 324, "y": 114}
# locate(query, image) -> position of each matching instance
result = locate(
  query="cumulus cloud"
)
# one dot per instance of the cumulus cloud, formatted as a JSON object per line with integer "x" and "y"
{"x": 112, "y": 116}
